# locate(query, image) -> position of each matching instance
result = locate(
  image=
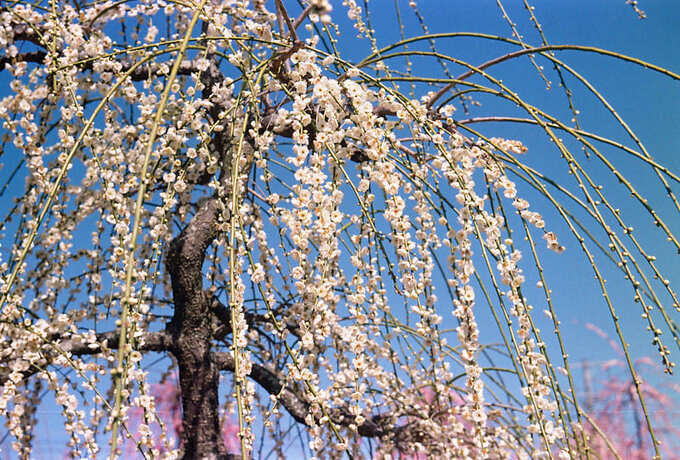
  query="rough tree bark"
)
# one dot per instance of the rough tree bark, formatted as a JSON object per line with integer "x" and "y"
{"x": 191, "y": 332}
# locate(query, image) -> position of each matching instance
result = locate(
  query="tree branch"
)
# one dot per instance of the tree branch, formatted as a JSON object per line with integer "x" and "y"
{"x": 281, "y": 12}
{"x": 33, "y": 56}
{"x": 297, "y": 406}
{"x": 149, "y": 341}
{"x": 223, "y": 314}
{"x": 145, "y": 72}
{"x": 55, "y": 346}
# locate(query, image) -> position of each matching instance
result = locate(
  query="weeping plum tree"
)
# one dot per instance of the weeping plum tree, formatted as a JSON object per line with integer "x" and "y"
{"x": 329, "y": 247}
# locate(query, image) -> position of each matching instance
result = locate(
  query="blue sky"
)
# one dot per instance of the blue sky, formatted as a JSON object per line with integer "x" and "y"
{"x": 647, "y": 101}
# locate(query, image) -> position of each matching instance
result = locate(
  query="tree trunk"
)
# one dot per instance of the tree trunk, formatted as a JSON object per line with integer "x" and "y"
{"x": 199, "y": 381}
{"x": 191, "y": 331}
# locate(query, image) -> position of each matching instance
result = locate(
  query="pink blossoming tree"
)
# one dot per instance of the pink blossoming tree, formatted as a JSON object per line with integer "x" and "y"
{"x": 333, "y": 249}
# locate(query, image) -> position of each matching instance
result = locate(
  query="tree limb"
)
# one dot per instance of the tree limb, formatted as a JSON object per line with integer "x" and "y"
{"x": 55, "y": 346}
{"x": 223, "y": 314}
{"x": 298, "y": 407}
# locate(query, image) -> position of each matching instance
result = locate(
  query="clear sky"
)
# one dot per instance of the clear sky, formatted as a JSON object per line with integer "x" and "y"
{"x": 650, "y": 104}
